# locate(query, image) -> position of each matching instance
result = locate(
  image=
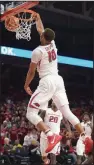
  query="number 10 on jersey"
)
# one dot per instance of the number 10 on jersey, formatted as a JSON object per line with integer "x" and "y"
{"x": 51, "y": 55}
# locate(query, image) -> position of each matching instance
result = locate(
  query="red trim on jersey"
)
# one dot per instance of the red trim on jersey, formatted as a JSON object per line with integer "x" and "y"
{"x": 31, "y": 105}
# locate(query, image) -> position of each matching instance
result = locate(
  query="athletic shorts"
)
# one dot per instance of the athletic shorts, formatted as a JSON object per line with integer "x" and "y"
{"x": 50, "y": 87}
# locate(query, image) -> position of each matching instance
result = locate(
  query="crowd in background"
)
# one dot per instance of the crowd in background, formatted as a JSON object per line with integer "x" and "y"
{"x": 17, "y": 132}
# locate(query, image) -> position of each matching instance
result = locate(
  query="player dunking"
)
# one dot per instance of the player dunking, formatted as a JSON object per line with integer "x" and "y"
{"x": 51, "y": 85}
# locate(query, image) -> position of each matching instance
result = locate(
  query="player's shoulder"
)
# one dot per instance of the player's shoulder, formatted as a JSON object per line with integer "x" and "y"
{"x": 52, "y": 42}
{"x": 59, "y": 112}
{"x": 88, "y": 123}
{"x": 26, "y": 137}
{"x": 82, "y": 123}
{"x": 49, "y": 110}
{"x": 37, "y": 50}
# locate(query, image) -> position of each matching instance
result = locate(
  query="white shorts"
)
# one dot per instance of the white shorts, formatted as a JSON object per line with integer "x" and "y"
{"x": 50, "y": 87}
{"x": 44, "y": 145}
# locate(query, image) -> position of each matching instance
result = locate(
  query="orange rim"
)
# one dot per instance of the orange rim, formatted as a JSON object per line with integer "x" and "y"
{"x": 25, "y": 19}
{"x": 18, "y": 9}
{"x": 29, "y": 11}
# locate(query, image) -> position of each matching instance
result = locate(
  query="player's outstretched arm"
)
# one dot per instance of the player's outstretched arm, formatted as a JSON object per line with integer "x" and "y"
{"x": 29, "y": 77}
{"x": 39, "y": 24}
{"x": 36, "y": 57}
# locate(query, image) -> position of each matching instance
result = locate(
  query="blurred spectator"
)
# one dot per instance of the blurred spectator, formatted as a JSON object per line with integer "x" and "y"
{"x": 8, "y": 123}
{"x": 13, "y": 133}
{"x": 17, "y": 145}
{"x": 34, "y": 134}
{"x": 7, "y": 145}
{"x": 28, "y": 138}
{"x": 87, "y": 124}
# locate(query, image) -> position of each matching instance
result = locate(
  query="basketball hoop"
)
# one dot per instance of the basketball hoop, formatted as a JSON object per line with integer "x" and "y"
{"x": 21, "y": 24}
{"x": 20, "y": 20}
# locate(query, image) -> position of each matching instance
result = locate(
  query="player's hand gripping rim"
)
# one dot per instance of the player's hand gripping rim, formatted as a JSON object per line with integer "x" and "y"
{"x": 35, "y": 16}
{"x": 28, "y": 90}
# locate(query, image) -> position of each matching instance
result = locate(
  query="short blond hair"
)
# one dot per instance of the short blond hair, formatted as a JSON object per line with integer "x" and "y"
{"x": 6, "y": 140}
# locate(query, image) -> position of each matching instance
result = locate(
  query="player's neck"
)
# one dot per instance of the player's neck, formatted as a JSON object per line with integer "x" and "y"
{"x": 55, "y": 110}
{"x": 45, "y": 43}
{"x": 86, "y": 121}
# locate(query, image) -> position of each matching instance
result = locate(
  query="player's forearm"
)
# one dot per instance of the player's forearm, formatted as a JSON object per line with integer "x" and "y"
{"x": 29, "y": 78}
{"x": 39, "y": 25}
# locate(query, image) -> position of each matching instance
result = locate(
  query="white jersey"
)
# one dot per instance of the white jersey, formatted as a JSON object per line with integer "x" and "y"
{"x": 53, "y": 121}
{"x": 87, "y": 128}
{"x": 27, "y": 140}
{"x": 46, "y": 59}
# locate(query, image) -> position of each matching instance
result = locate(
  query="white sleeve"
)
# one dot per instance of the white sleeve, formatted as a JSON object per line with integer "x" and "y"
{"x": 25, "y": 139}
{"x": 61, "y": 117}
{"x": 54, "y": 45}
{"x": 36, "y": 56}
{"x": 53, "y": 42}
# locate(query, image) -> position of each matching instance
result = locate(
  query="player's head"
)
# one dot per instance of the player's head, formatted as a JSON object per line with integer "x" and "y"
{"x": 54, "y": 108}
{"x": 86, "y": 117}
{"x": 47, "y": 36}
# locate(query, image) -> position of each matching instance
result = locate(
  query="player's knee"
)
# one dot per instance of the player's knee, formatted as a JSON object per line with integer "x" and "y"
{"x": 33, "y": 117}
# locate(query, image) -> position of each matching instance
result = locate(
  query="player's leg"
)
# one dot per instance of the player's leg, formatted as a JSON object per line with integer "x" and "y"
{"x": 52, "y": 159}
{"x": 61, "y": 101}
{"x": 43, "y": 146}
{"x": 53, "y": 153}
{"x": 39, "y": 100}
{"x": 45, "y": 160}
{"x": 33, "y": 110}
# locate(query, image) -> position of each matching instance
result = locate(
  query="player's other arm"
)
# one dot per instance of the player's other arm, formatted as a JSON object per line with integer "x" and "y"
{"x": 39, "y": 25}
{"x": 36, "y": 55}
{"x": 29, "y": 77}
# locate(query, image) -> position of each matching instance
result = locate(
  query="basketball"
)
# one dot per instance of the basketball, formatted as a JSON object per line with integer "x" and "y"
{"x": 12, "y": 23}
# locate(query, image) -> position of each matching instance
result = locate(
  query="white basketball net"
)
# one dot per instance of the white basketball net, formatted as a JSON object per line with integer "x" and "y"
{"x": 24, "y": 30}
